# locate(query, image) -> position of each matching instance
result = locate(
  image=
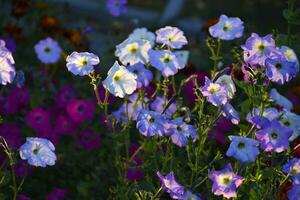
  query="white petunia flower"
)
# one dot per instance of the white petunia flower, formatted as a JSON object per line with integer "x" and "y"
{"x": 143, "y": 34}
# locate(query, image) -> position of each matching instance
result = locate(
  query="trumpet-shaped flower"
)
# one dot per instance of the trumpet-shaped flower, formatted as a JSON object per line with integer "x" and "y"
{"x": 170, "y": 185}
{"x": 274, "y": 137}
{"x": 116, "y": 7}
{"x": 215, "y": 93}
{"x": 227, "y": 81}
{"x": 243, "y": 149}
{"x": 290, "y": 55}
{"x": 131, "y": 52}
{"x": 291, "y": 121}
{"x": 230, "y": 113}
{"x": 144, "y": 76}
{"x": 82, "y": 63}
{"x": 182, "y": 57}
{"x": 225, "y": 182}
{"x": 292, "y": 167}
{"x": 38, "y": 152}
{"x": 120, "y": 81}
{"x": 281, "y": 100}
{"x": 294, "y": 193}
{"x": 7, "y": 70}
{"x": 165, "y": 61}
{"x": 143, "y": 34}
{"x": 228, "y": 28}
{"x": 171, "y": 36}
{"x": 48, "y": 51}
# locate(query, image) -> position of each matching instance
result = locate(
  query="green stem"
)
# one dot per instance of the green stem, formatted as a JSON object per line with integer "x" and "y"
{"x": 157, "y": 194}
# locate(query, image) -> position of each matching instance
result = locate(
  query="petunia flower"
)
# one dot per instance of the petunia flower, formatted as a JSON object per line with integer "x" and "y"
{"x": 281, "y": 100}
{"x": 38, "y": 152}
{"x": 120, "y": 81}
{"x": 227, "y": 28}
{"x": 230, "y": 113}
{"x": 144, "y": 76}
{"x": 274, "y": 137}
{"x": 82, "y": 63}
{"x": 259, "y": 119}
{"x": 48, "y": 51}
{"x": 116, "y": 7}
{"x": 165, "y": 61}
{"x": 159, "y": 104}
{"x": 292, "y": 167}
{"x": 143, "y": 34}
{"x": 294, "y": 193}
{"x": 7, "y": 70}
{"x": 170, "y": 185}
{"x": 131, "y": 52}
{"x": 215, "y": 93}
{"x": 39, "y": 119}
{"x": 291, "y": 121}
{"x": 80, "y": 110}
{"x": 182, "y": 57}
{"x": 225, "y": 182}
{"x": 227, "y": 81}
{"x": 243, "y": 149}
{"x": 171, "y": 36}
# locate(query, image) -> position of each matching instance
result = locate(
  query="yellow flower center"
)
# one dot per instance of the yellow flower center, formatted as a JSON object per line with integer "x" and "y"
{"x": 213, "y": 88}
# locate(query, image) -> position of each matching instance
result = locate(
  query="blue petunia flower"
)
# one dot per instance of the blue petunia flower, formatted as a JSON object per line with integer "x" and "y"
{"x": 82, "y": 63}
{"x": 188, "y": 195}
{"x": 243, "y": 149}
{"x": 230, "y": 113}
{"x": 116, "y": 7}
{"x": 259, "y": 120}
{"x": 294, "y": 193}
{"x": 257, "y": 49}
{"x": 131, "y": 52}
{"x": 144, "y": 76}
{"x": 171, "y": 37}
{"x": 290, "y": 55}
{"x": 225, "y": 182}
{"x": 181, "y": 131}
{"x": 48, "y": 51}
{"x": 143, "y": 34}
{"x": 228, "y": 28}
{"x": 7, "y": 70}
{"x": 281, "y": 100}
{"x": 292, "y": 167}
{"x": 274, "y": 137}
{"x": 38, "y": 152}
{"x": 182, "y": 57}
{"x": 170, "y": 185}
{"x": 150, "y": 123}
{"x": 214, "y": 92}
{"x": 165, "y": 61}
{"x": 159, "y": 104}
{"x": 291, "y": 121}
{"x": 280, "y": 70}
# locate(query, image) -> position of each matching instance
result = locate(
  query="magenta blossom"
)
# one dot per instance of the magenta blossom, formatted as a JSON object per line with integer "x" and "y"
{"x": 64, "y": 125}
{"x": 57, "y": 194}
{"x": 134, "y": 174}
{"x": 21, "y": 95}
{"x": 64, "y": 96}
{"x": 38, "y": 119}
{"x": 89, "y": 139}
{"x": 8, "y": 105}
{"x": 80, "y": 110}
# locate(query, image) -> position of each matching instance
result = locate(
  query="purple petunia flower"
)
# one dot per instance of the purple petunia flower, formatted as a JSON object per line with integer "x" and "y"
{"x": 10, "y": 44}
{"x": 64, "y": 125}
{"x": 134, "y": 174}
{"x": 291, "y": 121}
{"x": 80, "y": 110}
{"x": 89, "y": 139}
{"x": 81, "y": 63}
{"x": 259, "y": 119}
{"x": 257, "y": 49}
{"x": 151, "y": 123}
{"x": 294, "y": 193}
{"x": 170, "y": 185}
{"x": 116, "y": 7}
{"x": 144, "y": 76}
{"x": 64, "y": 96}
{"x": 290, "y": 55}
{"x": 165, "y": 61}
{"x": 181, "y": 131}
{"x": 243, "y": 149}
{"x": 292, "y": 167}
{"x": 171, "y": 36}
{"x": 230, "y": 113}
{"x": 274, "y": 137}
{"x": 225, "y": 182}
{"x": 38, "y": 119}
{"x": 279, "y": 70}
{"x": 57, "y": 194}
{"x": 159, "y": 104}
{"x": 228, "y": 28}
{"x": 11, "y": 134}
{"x": 48, "y": 51}
{"x": 21, "y": 95}
{"x": 214, "y": 92}
{"x": 281, "y": 100}
{"x": 7, "y": 70}
{"x": 8, "y": 105}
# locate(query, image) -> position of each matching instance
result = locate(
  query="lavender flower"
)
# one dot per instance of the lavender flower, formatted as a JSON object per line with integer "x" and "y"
{"x": 294, "y": 193}
{"x": 7, "y": 70}
{"x": 165, "y": 61}
{"x": 214, "y": 92}
{"x": 280, "y": 70}
{"x": 292, "y": 167}
{"x": 230, "y": 113}
{"x": 225, "y": 182}
{"x": 291, "y": 121}
{"x": 281, "y": 100}
{"x": 48, "y": 51}
{"x": 133, "y": 51}
{"x": 150, "y": 123}
{"x": 274, "y": 137}
{"x": 290, "y": 55}
{"x": 243, "y": 149}
{"x": 181, "y": 131}
{"x": 257, "y": 49}
{"x": 171, "y": 36}
{"x": 144, "y": 76}
{"x": 116, "y": 7}
{"x": 188, "y": 195}
{"x": 82, "y": 63}
{"x": 259, "y": 119}
{"x": 159, "y": 104}
{"x": 170, "y": 185}
{"x": 38, "y": 152}
{"x": 228, "y": 28}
